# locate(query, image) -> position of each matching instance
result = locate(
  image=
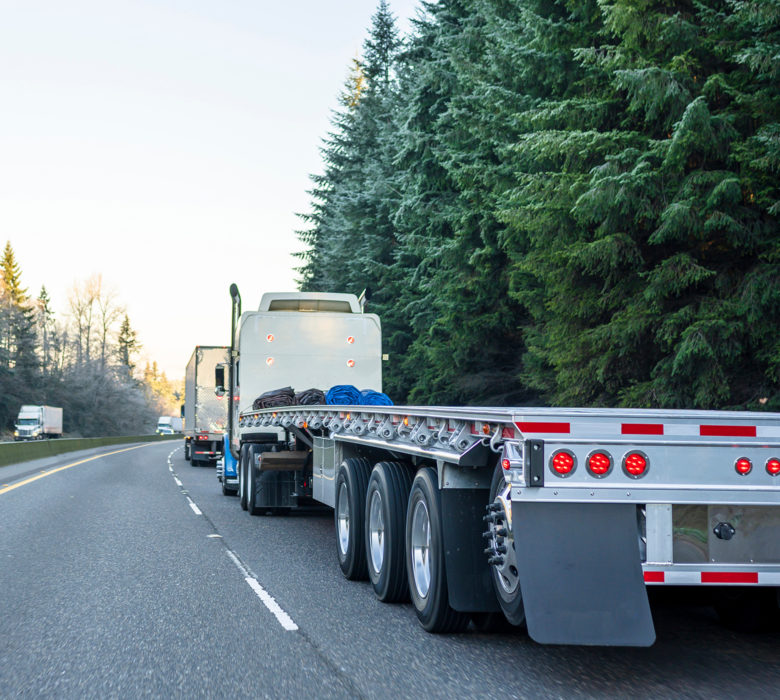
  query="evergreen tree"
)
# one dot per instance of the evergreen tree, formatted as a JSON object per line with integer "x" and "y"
{"x": 127, "y": 345}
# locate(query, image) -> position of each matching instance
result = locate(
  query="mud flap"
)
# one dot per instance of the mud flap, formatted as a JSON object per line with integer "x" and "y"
{"x": 581, "y": 575}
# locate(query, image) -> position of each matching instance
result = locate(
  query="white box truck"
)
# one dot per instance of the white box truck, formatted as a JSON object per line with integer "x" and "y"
{"x": 38, "y": 423}
{"x": 556, "y": 518}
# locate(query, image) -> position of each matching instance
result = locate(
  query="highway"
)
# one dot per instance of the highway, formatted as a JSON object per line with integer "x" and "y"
{"x": 124, "y": 572}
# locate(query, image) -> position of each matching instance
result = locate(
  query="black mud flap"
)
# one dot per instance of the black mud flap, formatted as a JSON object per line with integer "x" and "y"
{"x": 581, "y": 575}
{"x": 469, "y": 587}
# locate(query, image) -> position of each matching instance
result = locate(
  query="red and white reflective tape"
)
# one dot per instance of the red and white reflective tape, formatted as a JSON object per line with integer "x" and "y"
{"x": 674, "y": 577}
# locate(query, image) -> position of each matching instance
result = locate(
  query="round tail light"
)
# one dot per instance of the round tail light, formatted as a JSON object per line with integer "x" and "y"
{"x": 635, "y": 464}
{"x": 773, "y": 466}
{"x": 599, "y": 464}
{"x": 743, "y": 466}
{"x": 563, "y": 463}
{"x": 505, "y": 464}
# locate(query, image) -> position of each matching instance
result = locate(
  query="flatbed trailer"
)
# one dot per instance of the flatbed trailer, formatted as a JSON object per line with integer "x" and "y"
{"x": 555, "y": 518}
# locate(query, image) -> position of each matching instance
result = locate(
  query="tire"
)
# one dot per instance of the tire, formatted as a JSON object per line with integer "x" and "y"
{"x": 243, "y": 457}
{"x": 349, "y": 509}
{"x": 387, "y": 496}
{"x": 506, "y": 581}
{"x": 187, "y": 448}
{"x": 425, "y": 558}
{"x": 251, "y": 482}
{"x": 228, "y": 491}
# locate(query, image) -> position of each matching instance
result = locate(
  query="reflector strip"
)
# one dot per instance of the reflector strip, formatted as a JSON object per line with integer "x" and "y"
{"x": 654, "y": 576}
{"x": 507, "y": 432}
{"x": 642, "y": 428}
{"x": 727, "y": 430}
{"x": 532, "y": 427}
{"x": 729, "y": 577}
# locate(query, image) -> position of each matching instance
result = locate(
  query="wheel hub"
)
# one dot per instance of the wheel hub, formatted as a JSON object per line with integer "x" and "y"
{"x": 343, "y": 520}
{"x": 501, "y": 542}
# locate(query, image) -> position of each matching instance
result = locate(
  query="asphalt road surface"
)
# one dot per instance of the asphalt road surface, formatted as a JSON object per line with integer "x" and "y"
{"x": 124, "y": 572}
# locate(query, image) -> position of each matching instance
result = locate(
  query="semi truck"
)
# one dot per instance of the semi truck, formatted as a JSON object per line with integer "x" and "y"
{"x": 169, "y": 424}
{"x": 556, "y": 519}
{"x": 205, "y": 413}
{"x": 38, "y": 423}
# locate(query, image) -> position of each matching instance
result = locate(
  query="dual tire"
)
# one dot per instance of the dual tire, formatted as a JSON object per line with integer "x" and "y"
{"x": 388, "y": 529}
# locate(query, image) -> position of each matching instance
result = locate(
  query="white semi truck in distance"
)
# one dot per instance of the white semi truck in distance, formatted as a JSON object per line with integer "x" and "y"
{"x": 38, "y": 423}
{"x": 169, "y": 424}
{"x": 558, "y": 519}
{"x": 205, "y": 413}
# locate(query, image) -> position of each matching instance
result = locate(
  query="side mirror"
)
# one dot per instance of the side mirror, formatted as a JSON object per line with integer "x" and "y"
{"x": 219, "y": 380}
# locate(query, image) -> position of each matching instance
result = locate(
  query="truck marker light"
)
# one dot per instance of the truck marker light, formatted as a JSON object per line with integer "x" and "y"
{"x": 350, "y": 363}
{"x": 305, "y": 425}
{"x": 563, "y": 463}
{"x": 743, "y": 466}
{"x": 635, "y": 464}
{"x": 599, "y": 463}
{"x": 486, "y": 429}
{"x": 269, "y": 361}
{"x": 406, "y": 421}
{"x": 505, "y": 464}
{"x": 773, "y": 466}
{"x": 351, "y": 340}
{"x": 270, "y": 337}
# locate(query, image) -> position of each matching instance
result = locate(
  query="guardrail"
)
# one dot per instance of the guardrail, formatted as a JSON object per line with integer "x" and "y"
{"x": 15, "y": 452}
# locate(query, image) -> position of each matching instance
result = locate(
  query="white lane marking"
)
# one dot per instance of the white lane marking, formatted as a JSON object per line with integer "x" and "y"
{"x": 284, "y": 619}
{"x": 268, "y": 600}
{"x": 178, "y": 483}
{"x": 195, "y": 508}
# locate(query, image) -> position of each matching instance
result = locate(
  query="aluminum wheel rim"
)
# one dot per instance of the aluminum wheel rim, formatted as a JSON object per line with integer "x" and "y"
{"x": 507, "y": 575}
{"x": 376, "y": 531}
{"x": 421, "y": 546}
{"x": 343, "y": 519}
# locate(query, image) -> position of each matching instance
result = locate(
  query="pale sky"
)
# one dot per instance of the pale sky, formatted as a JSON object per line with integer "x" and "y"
{"x": 167, "y": 145}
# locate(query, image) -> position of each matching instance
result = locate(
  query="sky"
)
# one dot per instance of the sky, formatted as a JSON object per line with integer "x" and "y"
{"x": 167, "y": 146}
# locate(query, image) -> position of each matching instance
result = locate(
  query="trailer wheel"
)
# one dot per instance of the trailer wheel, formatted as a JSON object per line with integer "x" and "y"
{"x": 503, "y": 570}
{"x": 243, "y": 457}
{"x": 425, "y": 558}
{"x": 187, "y": 455}
{"x": 385, "y": 523}
{"x": 349, "y": 510}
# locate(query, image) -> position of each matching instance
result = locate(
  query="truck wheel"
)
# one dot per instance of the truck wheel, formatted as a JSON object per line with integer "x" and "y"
{"x": 425, "y": 558}
{"x": 503, "y": 569}
{"x": 349, "y": 510}
{"x": 187, "y": 454}
{"x": 242, "y": 475}
{"x": 385, "y": 525}
{"x": 251, "y": 482}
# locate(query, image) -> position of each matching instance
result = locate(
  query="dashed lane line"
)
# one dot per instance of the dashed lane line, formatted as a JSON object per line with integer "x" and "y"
{"x": 267, "y": 599}
{"x": 49, "y": 472}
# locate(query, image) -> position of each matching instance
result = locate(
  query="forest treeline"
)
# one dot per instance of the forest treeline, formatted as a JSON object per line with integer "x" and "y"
{"x": 84, "y": 362}
{"x": 569, "y": 202}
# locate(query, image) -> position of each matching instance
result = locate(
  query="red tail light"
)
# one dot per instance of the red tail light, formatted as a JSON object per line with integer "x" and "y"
{"x": 773, "y": 466}
{"x": 635, "y": 464}
{"x": 505, "y": 464}
{"x": 599, "y": 463}
{"x": 563, "y": 462}
{"x": 743, "y": 466}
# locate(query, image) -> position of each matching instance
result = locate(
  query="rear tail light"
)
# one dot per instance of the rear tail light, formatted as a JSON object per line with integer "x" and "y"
{"x": 599, "y": 464}
{"x": 563, "y": 462}
{"x": 773, "y": 466}
{"x": 505, "y": 464}
{"x": 743, "y": 466}
{"x": 635, "y": 464}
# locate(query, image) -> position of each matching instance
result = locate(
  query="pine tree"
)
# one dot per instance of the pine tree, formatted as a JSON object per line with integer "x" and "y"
{"x": 127, "y": 344}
